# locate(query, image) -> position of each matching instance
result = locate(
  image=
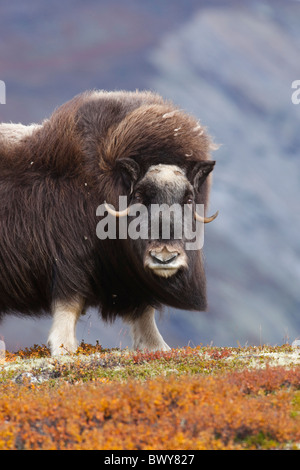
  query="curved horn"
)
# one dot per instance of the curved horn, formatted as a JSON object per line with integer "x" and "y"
{"x": 206, "y": 220}
{"x": 116, "y": 213}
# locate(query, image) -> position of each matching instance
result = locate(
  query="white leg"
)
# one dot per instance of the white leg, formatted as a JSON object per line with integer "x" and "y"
{"x": 62, "y": 338}
{"x": 145, "y": 334}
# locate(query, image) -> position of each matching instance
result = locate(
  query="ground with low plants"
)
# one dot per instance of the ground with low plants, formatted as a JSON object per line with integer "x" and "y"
{"x": 188, "y": 398}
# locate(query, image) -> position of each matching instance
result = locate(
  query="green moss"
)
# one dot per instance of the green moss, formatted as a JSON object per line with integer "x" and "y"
{"x": 296, "y": 404}
{"x": 260, "y": 441}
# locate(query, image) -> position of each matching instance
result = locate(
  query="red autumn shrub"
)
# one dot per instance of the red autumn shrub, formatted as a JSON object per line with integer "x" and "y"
{"x": 232, "y": 410}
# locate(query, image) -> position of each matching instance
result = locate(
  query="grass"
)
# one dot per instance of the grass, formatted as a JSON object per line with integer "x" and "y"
{"x": 188, "y": 398}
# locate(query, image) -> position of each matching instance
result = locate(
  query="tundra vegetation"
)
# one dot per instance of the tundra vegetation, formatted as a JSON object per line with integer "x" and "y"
{"x": 186, "y": 398}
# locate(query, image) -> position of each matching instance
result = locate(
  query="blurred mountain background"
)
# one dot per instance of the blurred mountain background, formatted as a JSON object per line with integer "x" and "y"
{"x": 231, "y": 64}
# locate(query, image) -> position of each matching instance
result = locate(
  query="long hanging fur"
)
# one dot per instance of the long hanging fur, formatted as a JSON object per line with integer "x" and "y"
{"x": 53, "y": 176}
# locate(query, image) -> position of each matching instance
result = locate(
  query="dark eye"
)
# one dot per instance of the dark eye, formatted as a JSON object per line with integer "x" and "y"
{"x": 138, "y": 197}
{"x": 189, "y": 200}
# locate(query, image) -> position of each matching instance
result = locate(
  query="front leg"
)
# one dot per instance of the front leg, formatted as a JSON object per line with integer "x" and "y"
{"x": 144, "y": 332}
{"x": 62, "y": 336}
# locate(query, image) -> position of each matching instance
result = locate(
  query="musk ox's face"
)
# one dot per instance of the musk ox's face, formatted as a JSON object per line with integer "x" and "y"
{"x": 164, "y": 184}
{"x": 164, "y": 199}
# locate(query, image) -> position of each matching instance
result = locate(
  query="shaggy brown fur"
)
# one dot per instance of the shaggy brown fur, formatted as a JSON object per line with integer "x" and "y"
{"x": 52, "y": 179}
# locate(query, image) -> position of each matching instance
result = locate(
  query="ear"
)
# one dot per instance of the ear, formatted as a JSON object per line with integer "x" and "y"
{"x": 129, "y": 172}
{"x": 200, "y": 172}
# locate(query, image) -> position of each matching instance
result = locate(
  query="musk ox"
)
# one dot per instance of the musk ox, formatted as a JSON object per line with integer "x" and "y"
{"x": 53, "y": 179}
